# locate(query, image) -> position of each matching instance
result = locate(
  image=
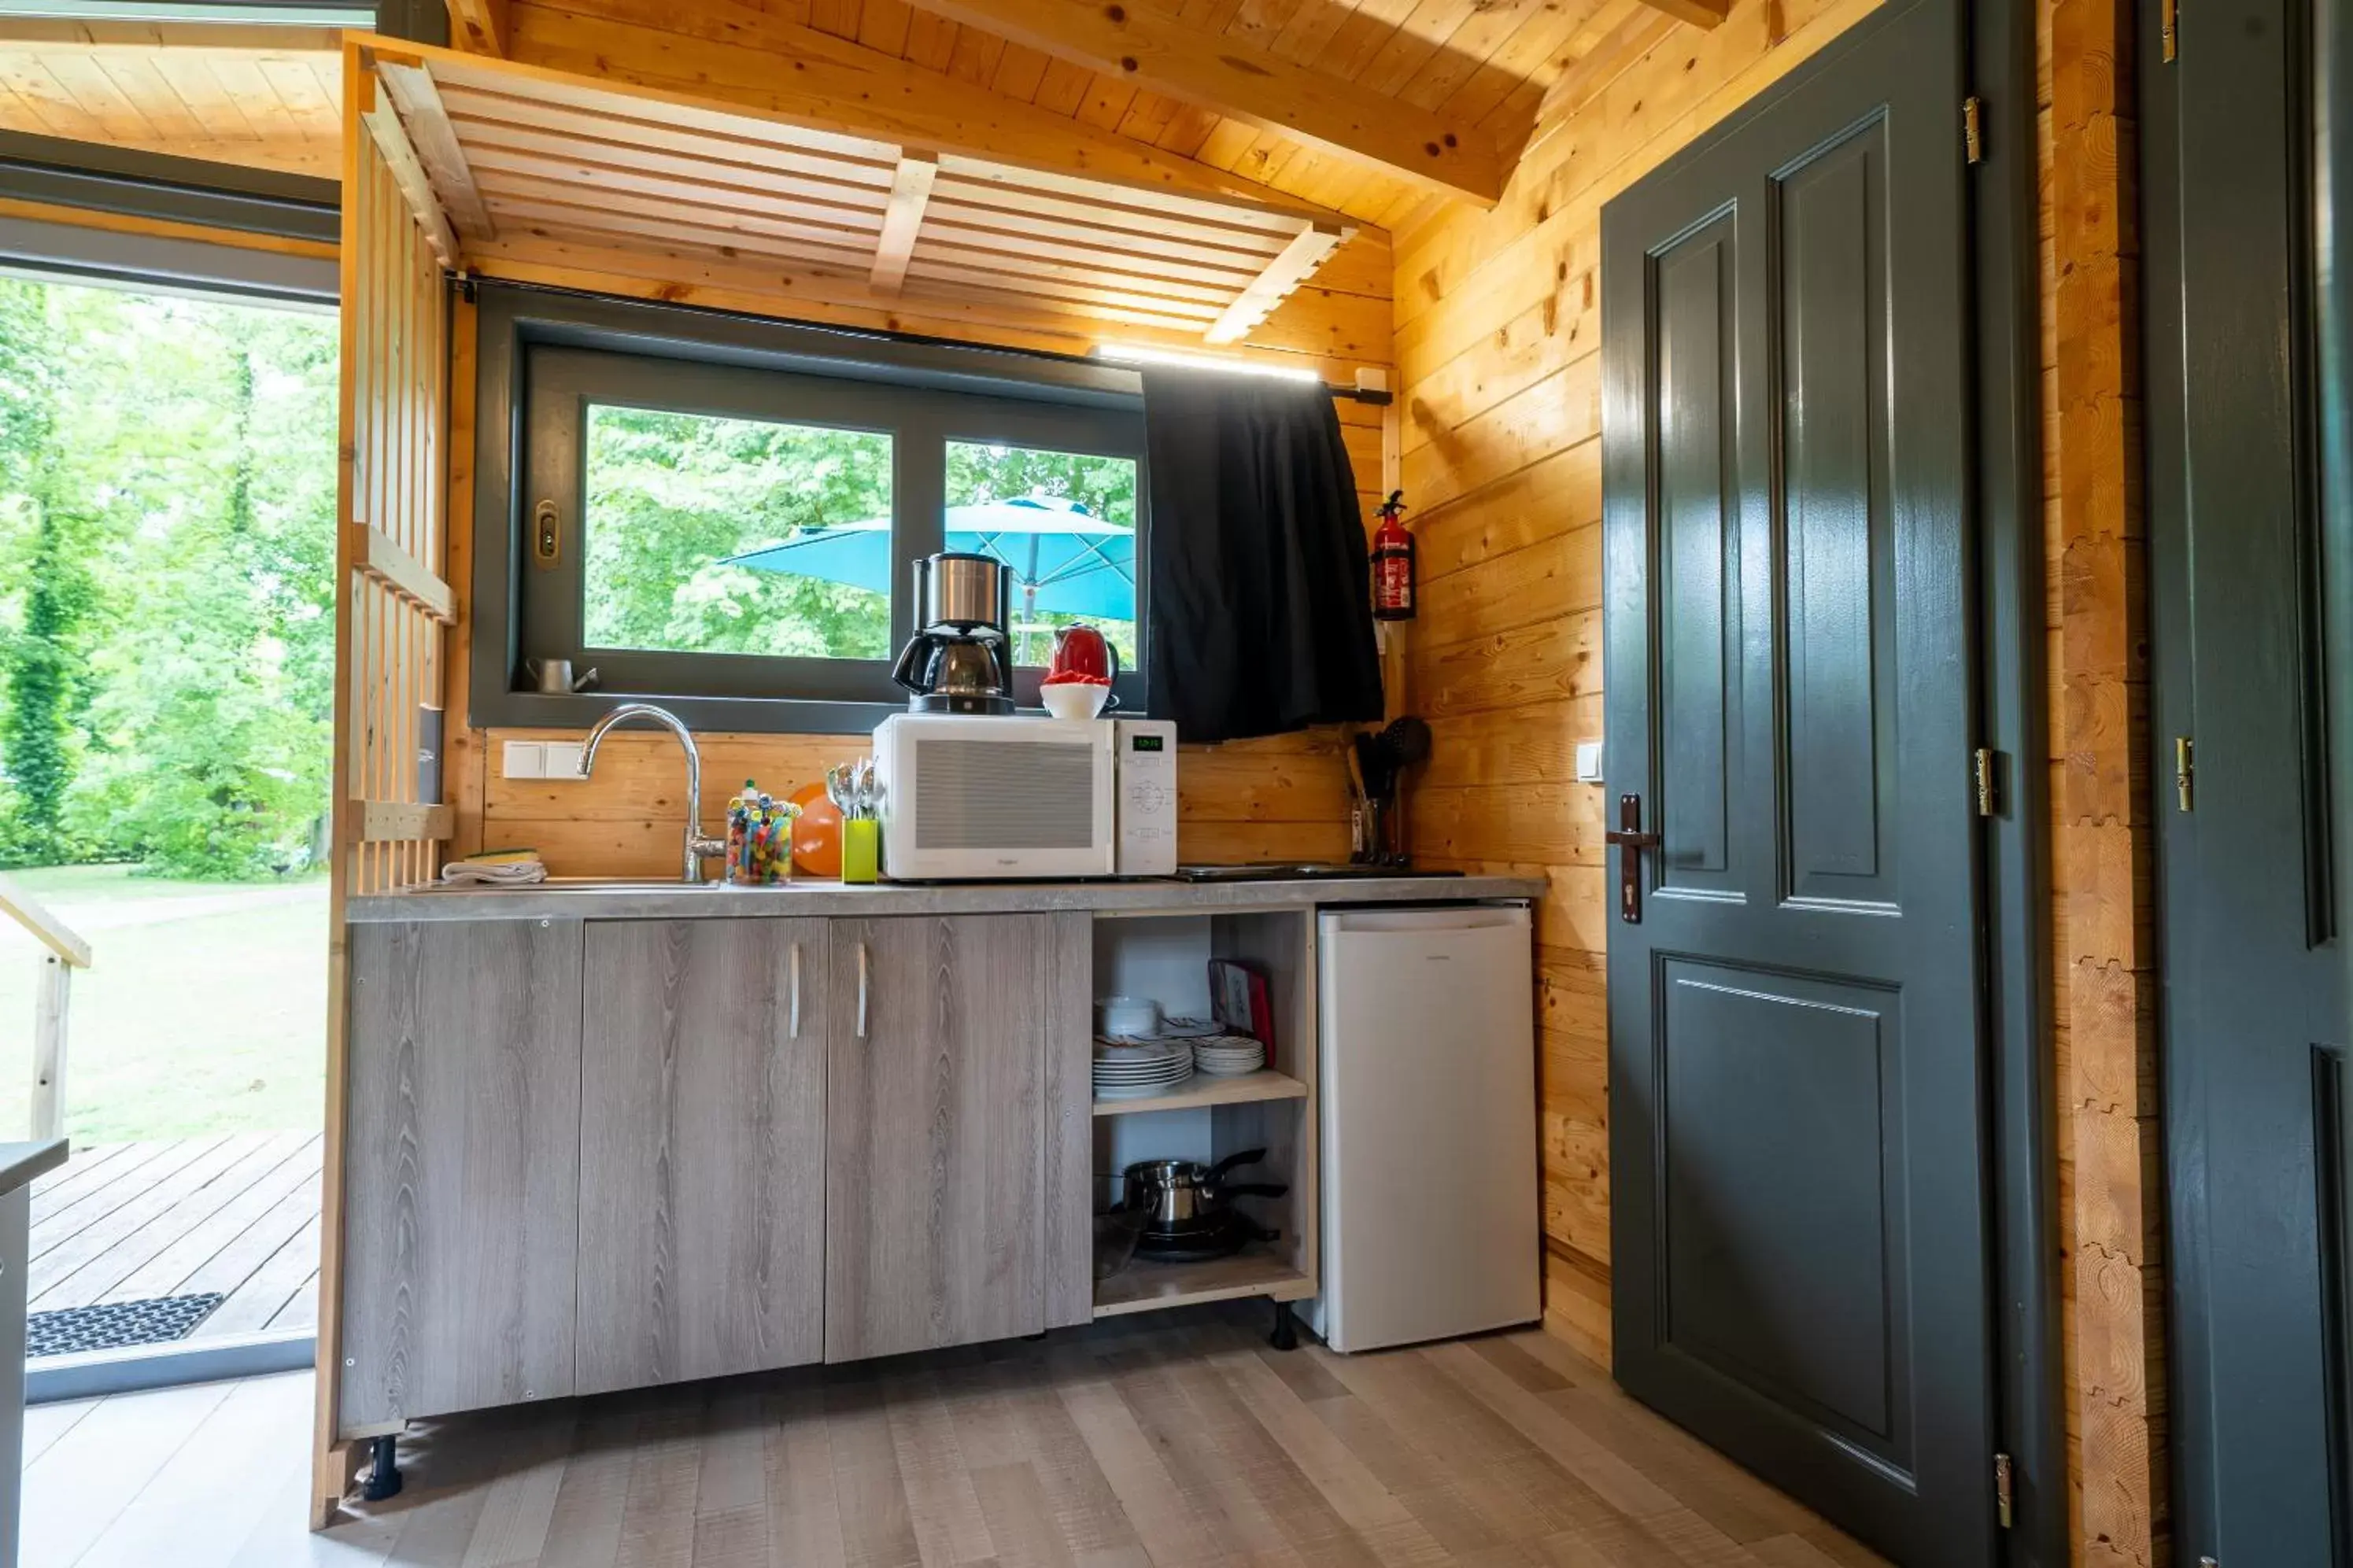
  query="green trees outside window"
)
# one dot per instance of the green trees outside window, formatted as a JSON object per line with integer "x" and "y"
{"x": 167, "y": 538}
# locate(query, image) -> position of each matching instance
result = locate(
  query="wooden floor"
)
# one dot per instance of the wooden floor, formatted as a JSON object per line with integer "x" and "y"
{"x": 1144, "y": 1443}
{"x": 234, "y": 1213}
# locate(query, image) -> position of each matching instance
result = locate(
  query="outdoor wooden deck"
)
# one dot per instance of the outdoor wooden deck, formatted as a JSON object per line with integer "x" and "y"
{"x": 236, "y": 1212}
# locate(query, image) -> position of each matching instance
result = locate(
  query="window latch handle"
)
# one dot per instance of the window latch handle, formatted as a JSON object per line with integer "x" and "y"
{"x": 546, "y": 533}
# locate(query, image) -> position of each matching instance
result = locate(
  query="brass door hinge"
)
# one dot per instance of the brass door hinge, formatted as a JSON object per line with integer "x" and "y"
{"x": 1973, "y": 128}
{"x": 2002, "y": 1489}
{"x": 2185, "y": 773}
{"x": 2169, "y": 30}
{"x": 1981, "y": 776}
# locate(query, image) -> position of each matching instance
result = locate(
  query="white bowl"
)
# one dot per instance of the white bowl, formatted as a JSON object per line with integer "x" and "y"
{"x": 1131, "y": 1016}
{"x": 1074, "y": 699}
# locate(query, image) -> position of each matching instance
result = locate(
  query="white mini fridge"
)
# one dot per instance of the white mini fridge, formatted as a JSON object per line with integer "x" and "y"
{"x": 1431, "y": 1222}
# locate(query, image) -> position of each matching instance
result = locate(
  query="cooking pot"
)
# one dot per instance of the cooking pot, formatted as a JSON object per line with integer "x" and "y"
{"x": 1178, "y": 1194}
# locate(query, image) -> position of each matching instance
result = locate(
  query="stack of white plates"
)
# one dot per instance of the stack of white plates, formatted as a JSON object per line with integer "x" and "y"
{"x": 1129, "y": 1069}
{"x": 1229, "y": 1055}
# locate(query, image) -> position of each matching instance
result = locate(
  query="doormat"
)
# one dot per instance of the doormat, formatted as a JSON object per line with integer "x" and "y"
{"x": 115, "y": 1325}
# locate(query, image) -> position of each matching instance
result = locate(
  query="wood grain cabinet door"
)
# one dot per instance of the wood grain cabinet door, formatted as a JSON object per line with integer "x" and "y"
{"x": 462, "y": 1167}
{"x": 936, "y": 1170}
{"x": 702, "y": 1149}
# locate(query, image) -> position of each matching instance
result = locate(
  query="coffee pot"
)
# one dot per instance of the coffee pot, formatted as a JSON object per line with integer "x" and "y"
{"x": 958, "y": 661}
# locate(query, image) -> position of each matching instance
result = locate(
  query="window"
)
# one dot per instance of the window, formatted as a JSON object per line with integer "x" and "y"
{"x": 734, "y": 535}
{"x": 677, "y": 504}
{"x": 1065, "y": 523}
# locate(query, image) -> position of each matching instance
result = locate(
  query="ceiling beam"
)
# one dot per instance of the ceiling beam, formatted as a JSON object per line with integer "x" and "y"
{"x": 903, "y": 219}
{"x": 1140, "y": 44}
{"x": 747, "y": 57}
{"x": 1698, "y": 13}
{"x": 479, "y": 26}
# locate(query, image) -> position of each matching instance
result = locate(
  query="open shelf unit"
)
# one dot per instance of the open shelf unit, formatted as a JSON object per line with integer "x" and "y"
{"x": 1144, "y": 1286}
{"x": 1207, "y": 1118}
{"x": 1203, "y": 1089}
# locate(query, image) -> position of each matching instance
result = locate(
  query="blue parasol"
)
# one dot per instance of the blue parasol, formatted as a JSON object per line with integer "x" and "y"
{"x": 1065, "y": 560}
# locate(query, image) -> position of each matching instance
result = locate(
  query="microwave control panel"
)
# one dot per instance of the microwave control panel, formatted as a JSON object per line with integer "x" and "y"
{"x": 1145, "y": 753}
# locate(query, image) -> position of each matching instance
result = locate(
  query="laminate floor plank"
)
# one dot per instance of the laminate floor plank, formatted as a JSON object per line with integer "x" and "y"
{"x": 1173, "y": 1440}
{"x": 74, "y": 1492}
{"x": 46, "y": 1423}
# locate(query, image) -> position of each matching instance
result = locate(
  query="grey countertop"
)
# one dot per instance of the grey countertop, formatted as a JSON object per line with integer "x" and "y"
{"x": 674, "y": 900}
{"x": 20, "y": 1163}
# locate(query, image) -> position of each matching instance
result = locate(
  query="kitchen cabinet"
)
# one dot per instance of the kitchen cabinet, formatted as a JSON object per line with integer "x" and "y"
{"x": 949, "y": 1214}
{"x": 461, "y": 1161}
{"x": 702, "y": 1148}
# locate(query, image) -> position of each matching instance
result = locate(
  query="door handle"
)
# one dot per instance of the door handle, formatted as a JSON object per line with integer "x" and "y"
{"x": 861, "y": 990}
{"x": 793, "y": 1024}
{"x": 1632, "y": 841}
{"x": 546, "y": 533}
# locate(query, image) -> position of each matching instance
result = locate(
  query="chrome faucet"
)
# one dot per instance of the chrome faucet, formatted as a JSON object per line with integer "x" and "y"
{"x": 700, "y": 847}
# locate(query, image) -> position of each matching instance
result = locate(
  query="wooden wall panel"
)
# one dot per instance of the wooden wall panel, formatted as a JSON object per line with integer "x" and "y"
{"x": 1498, "y": 341}
{"x": 2111, "y": 1217}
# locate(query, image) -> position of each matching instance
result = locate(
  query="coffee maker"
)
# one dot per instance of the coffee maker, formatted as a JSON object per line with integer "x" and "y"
{"x": 959, "y": 661}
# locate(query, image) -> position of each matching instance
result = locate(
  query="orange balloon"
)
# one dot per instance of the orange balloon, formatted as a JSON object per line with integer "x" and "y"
{"x": 817, "y": 835}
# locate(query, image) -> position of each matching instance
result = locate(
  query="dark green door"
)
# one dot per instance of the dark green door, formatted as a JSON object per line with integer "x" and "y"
{"x": 1798, "y": 1151}
{"x": 2251, "y": 1009}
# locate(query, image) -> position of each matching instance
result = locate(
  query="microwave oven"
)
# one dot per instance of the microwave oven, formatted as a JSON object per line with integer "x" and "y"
{"x": 972, "y": 796}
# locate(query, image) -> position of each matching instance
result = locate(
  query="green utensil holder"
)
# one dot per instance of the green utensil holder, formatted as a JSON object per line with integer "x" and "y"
{"x": 861, "y": 851}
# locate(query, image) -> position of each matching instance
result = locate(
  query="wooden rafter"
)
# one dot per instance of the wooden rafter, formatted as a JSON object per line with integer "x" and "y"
{"x": 903, "y": 219}
{"x": 383, "y": 121}
{"x": 1295, "y": 265}
{"x": 1140, "y": 44}
{"x": 418, "y": 101}
{"x": 479, "y": 26}
{"x": 1698, "y": 13}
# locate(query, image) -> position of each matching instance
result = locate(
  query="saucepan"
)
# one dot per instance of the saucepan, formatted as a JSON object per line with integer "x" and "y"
{"x": 1178, "y": 1194}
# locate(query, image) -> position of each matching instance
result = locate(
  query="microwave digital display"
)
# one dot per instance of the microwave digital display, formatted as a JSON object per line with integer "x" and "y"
{"x": 1143, "y": 742}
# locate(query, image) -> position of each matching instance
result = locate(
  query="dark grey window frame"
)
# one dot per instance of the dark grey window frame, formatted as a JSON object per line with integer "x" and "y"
{"x": 541, "y": 354}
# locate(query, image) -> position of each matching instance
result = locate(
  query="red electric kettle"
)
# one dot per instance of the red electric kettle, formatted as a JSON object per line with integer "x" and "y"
{"x": 1082, "y": 654}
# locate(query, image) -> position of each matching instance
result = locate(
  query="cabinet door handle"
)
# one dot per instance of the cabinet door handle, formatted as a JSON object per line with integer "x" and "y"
{"x": 861, "y": 990}
{"x": 793, "y": 1023}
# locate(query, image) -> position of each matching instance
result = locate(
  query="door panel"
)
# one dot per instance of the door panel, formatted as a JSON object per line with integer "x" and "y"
{"x": 2253, "y": 1007}
{"x": 1798, "y": 1145}
{"x": 935, "y": 1199}
{"x": 702, "y": 1149}
{"x": 1699, "y": 549}
{"x": 462, "y": 1167}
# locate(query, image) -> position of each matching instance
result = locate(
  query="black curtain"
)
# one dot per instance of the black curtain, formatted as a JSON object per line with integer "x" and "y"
{"x": 1260, "y": 619}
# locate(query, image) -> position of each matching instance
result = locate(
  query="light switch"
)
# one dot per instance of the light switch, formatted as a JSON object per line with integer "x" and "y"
{"x": 560, "y": 760}
{"x": 1589, "y": 762}
{"x": 523, "y": 760}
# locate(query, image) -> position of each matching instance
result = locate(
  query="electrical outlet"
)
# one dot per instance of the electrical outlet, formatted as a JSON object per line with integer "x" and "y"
{"x": 1589, "y": 762}
{"x": 560, "y": 760}
{"x": 523, "y": 760}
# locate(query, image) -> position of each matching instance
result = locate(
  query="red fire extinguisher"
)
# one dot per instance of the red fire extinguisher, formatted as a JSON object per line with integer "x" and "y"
{"x": 1393, "y": 565}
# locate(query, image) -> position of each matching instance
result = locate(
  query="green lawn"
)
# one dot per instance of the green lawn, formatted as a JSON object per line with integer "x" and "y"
{"x": 205, "y": 1012}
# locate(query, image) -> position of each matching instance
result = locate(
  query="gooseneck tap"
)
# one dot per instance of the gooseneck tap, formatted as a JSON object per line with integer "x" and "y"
{"x": 700, "y": 847}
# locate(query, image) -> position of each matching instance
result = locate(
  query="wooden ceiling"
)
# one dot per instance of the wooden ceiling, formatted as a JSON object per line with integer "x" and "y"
{"x": 1377, "y": 109}
{"x": 268, "y": 98}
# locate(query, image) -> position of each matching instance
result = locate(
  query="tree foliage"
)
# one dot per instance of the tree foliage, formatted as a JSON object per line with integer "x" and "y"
{"x": 671, "y": 496}
{"x": 167, "y": 532}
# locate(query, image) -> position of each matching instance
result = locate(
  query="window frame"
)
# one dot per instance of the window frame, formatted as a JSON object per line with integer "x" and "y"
{"x": 543, "y": 358}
